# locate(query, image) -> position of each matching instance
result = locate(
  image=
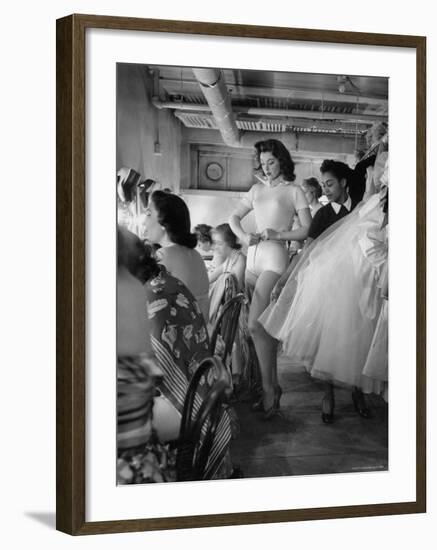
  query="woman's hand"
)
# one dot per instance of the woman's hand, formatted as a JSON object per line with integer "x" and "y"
{"x": 270, "y": 235}
{"x": 252, "y": 238}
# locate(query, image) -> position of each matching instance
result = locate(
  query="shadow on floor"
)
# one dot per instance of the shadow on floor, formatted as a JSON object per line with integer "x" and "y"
{"x": 298, "y": 443}
{"x": 45, "y": 518}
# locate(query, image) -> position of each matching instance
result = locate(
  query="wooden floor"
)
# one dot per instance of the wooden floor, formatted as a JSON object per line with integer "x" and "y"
{"x": 298, "y": 443}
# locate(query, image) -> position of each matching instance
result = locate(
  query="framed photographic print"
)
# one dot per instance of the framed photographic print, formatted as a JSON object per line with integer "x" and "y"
{"x": 240, "y": 274}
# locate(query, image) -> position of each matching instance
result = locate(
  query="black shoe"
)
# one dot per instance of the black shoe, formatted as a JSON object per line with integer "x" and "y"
{"x": 328, "y": 411}
{"x": 274, "y": 410}
{"x": 360, "y": 404}
{"x": 258, "y": 406}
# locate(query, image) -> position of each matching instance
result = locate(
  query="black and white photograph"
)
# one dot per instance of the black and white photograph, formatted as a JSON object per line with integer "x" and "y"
{"x": 252, "y": 273}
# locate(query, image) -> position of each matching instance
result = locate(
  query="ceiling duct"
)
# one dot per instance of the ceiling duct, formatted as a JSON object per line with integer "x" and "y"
{"x": 359, "y": 118}
{"x": 216, "y": 94}
{"x": 205, "y": 121}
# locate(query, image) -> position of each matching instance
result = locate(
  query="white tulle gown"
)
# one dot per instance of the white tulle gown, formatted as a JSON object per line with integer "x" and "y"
{"x": 332, "y": 315}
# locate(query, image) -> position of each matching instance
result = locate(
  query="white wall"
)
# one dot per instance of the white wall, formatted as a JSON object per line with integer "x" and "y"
{"x": 140, "y": 125}
{"x": 28, "y": 280}
{"x": 215, "y": 209}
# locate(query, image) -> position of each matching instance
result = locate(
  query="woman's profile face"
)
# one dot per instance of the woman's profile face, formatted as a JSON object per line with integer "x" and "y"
{"x": 270, "y": 165}
{"x": 221, "y": 247}
{"x": 154, "y": 232}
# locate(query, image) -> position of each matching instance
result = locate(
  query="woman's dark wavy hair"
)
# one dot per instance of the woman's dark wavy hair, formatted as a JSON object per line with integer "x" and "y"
{"x": 136, "y": 256}
{"x": 228, "y": 235}
{"x": 279, "y": 151}
{"x": 174, "y": 216}
{"x": 339, "y": 169}
{"x": 314, "y": 185}
{"x": 203, "y": 233}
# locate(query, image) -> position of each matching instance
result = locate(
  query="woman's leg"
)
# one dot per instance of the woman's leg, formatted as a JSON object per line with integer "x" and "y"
{"x": 360, "y": 402}
{"x": 265, "y": 345}
{"x": 328, "y": 403}
{"x": 166, "y": 419}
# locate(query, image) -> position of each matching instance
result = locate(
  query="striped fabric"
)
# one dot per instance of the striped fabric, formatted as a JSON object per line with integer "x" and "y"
{"x": 180, "y": 341}
{"x": 174, "y": 386}
{"x": 136, "y": 384}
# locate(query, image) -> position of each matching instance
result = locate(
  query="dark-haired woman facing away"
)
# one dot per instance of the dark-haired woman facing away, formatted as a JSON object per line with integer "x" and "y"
{"x": 275, "y": 200}
{"x": 168, "y": 223}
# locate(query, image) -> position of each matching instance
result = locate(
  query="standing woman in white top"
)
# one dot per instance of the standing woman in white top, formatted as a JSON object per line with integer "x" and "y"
{"x": 167, "y": 222}
{"x": 275, "y": 201}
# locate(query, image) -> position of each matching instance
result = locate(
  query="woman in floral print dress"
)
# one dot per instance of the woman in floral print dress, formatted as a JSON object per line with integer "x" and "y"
{"x": 180, "y": 342}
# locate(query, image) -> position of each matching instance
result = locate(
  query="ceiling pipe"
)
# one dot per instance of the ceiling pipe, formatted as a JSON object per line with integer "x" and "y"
{"x": 286, "y": 113}
{"x": 216, "y": 94}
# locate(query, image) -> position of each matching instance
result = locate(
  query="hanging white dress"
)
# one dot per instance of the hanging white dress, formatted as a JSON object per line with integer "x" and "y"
{"x": 331, "y": 316}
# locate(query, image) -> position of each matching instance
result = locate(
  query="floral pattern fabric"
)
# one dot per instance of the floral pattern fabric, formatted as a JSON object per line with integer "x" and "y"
{"x": 179, "y": 336}
{"x": 180, "y": 342}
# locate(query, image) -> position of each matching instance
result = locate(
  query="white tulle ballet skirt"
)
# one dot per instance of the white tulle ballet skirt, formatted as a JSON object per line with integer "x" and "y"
{"x": 331, "y": 316}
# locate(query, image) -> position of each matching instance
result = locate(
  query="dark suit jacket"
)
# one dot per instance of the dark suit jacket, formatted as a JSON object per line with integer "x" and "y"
{"x": 325, "y": 217}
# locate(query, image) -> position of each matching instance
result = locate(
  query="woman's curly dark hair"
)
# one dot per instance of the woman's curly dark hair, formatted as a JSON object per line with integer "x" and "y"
{"x": 228, "y": 236}
{"x": 203, "y": 233}
{"x": 136, "y": 256}
{"x": 337, "y": 168}
{"x": 279, "y": 151}
{"x": 174, "y": 216}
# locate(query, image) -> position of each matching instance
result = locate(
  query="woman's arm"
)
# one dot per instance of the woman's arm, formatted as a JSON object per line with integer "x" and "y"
{"x": 235, "y": 222}
{"x": 238, "y": 270}
{"x": 215, "y": 274}
{"x": 133, "y": 325}
{"x": 298, "y": 234}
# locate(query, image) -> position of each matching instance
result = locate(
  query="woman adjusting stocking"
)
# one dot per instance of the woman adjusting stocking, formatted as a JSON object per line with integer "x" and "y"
{"x": 275, "y": 201}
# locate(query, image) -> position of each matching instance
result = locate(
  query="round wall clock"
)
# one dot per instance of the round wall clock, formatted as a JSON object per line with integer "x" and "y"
{"x": 214, "y": 171}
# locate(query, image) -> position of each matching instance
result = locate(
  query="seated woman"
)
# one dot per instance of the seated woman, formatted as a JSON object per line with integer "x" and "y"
{"x": 179, "y": 341}
{"x": 205, "y": 247}
{"x": 229, "y": 275}
{"x": 137, "y": 378}
{"x": 204, "y": 240}
{"x": 313, "y": 191}
{"x": 167, "y": 222}
{"x": 234, "y": 263}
